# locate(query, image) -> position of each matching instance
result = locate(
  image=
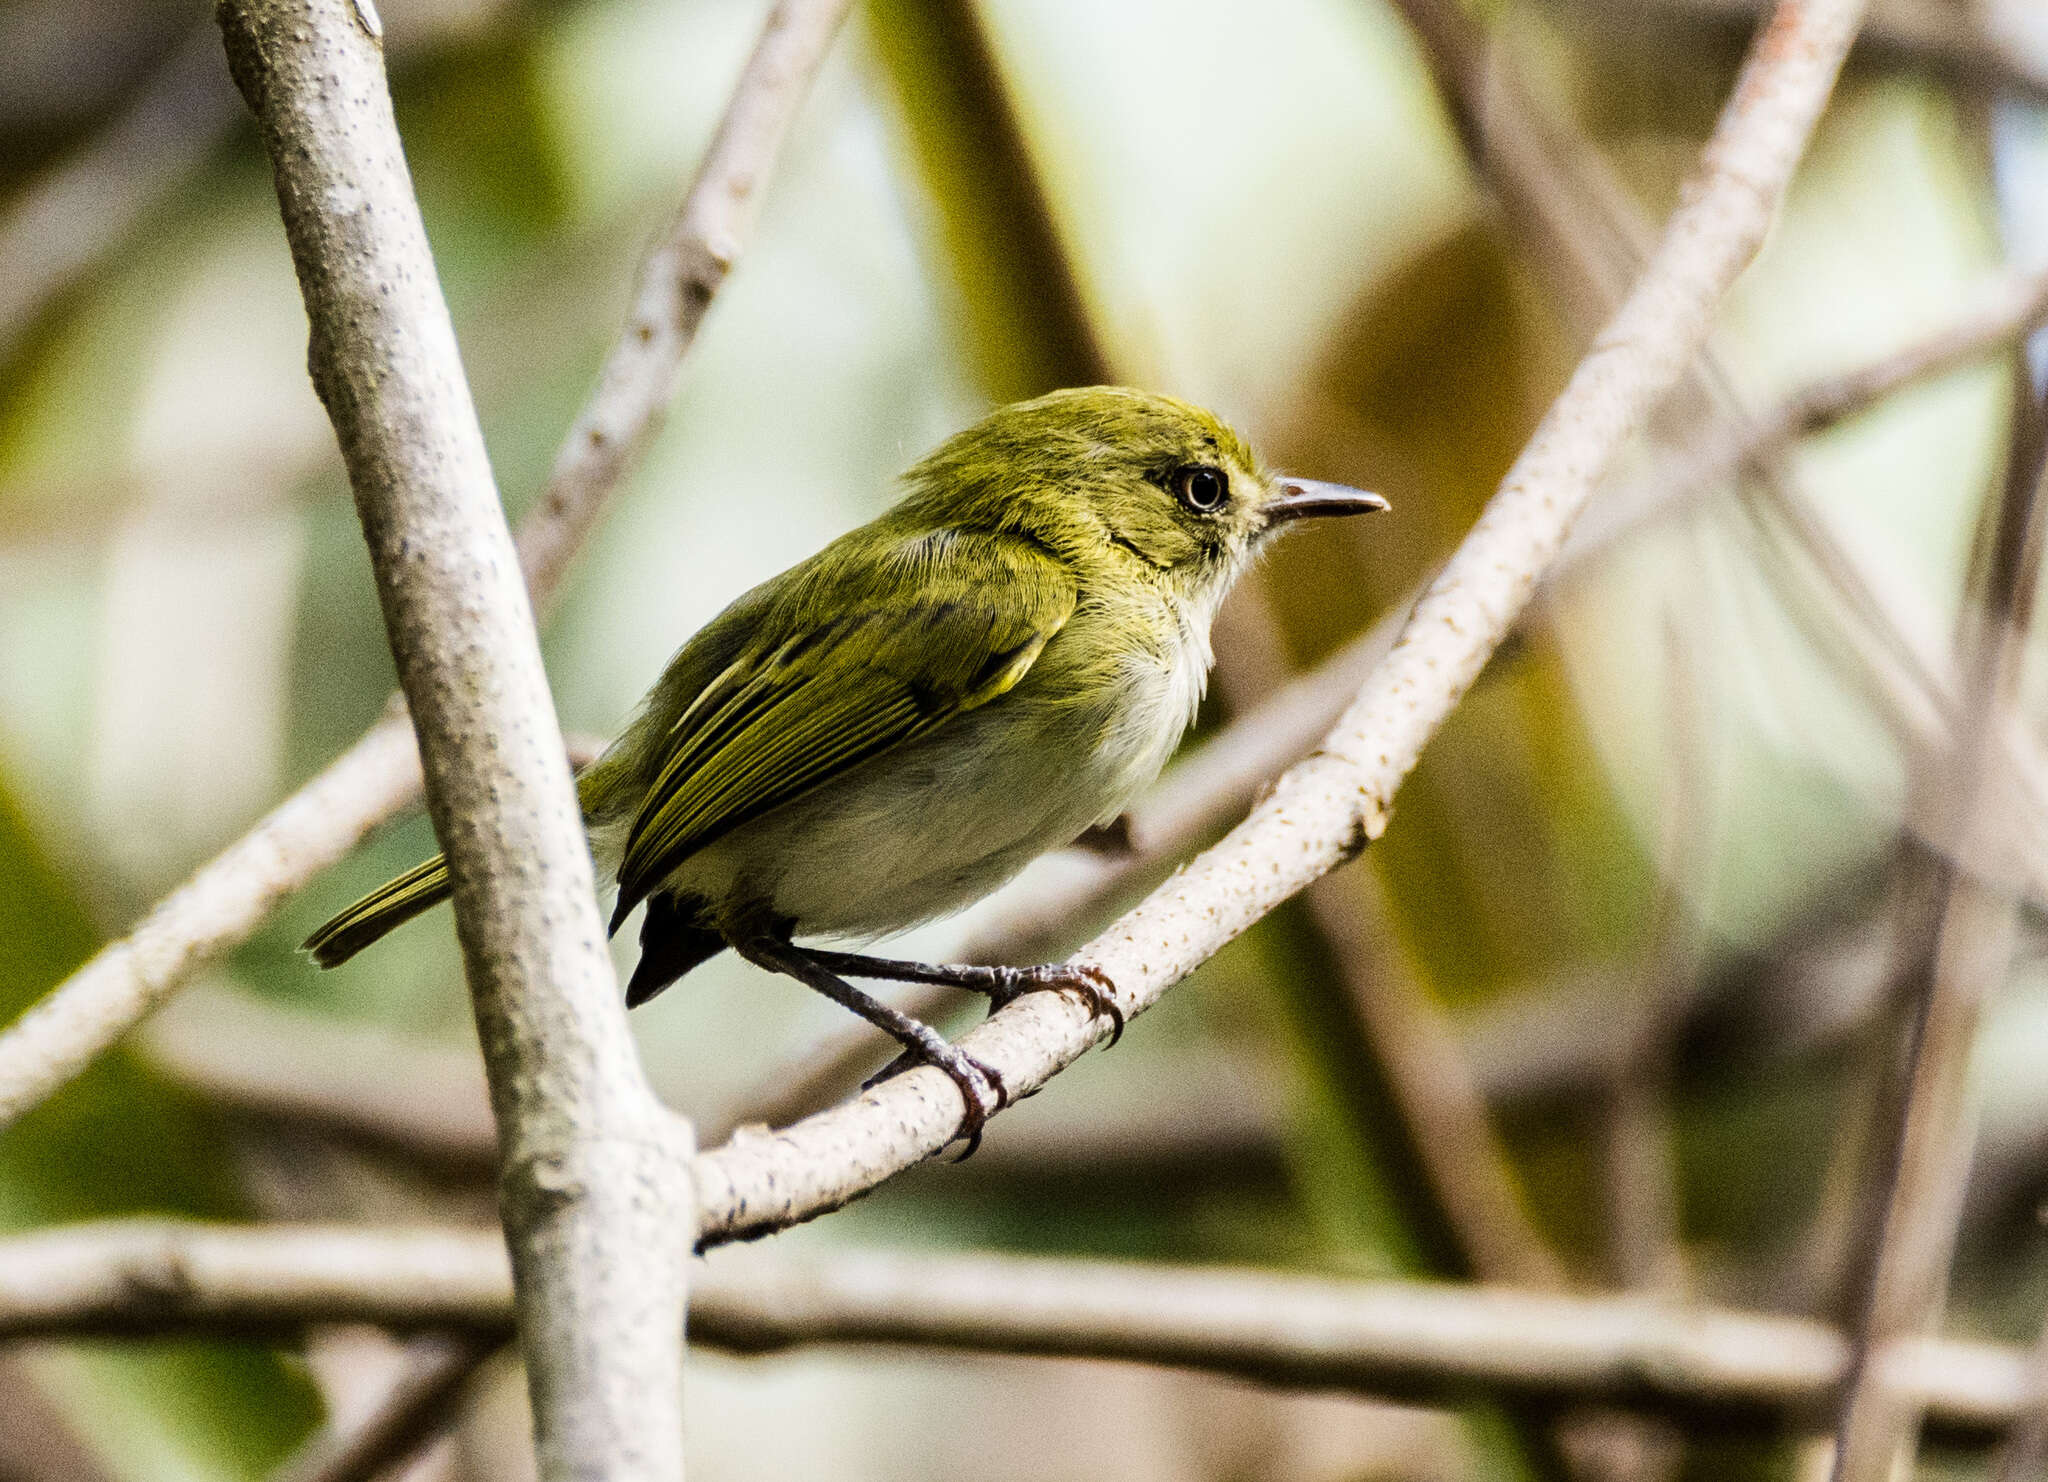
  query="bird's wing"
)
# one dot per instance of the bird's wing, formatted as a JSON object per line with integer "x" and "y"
{"x": 859, "y": 657}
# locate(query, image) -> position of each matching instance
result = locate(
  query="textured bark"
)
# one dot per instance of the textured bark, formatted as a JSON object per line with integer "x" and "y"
{"x": 1422, "y": 1340}
{"x": 593, "y": 1186}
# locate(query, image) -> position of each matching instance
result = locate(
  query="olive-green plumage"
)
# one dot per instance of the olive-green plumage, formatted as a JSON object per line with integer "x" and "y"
{"x": 889, "y": 729}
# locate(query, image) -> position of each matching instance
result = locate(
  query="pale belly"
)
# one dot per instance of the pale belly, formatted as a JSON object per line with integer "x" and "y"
{"x": 939, "y": 823}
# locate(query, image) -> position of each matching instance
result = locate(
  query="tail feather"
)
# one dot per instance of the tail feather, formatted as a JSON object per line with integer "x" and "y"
{"x": 390, "y": 905}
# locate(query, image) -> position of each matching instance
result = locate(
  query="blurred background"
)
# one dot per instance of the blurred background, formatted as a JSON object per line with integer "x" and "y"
{"x": 1646, "y": 905}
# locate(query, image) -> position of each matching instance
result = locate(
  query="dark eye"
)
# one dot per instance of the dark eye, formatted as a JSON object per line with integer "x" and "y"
{"x": 1200, "y": 487}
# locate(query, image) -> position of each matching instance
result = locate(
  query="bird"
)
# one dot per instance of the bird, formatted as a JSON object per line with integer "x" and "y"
{"x": 890, "y": 729}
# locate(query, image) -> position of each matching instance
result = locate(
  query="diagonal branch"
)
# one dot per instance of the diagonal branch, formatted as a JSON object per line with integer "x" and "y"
{"x": 416, "y": 1409}
{"x": 223, "y": 903}
{"x": 1324, "y": 810}
{"x": 593, "y": 1177}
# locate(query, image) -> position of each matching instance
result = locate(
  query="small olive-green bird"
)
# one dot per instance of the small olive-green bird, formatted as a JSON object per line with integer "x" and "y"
{"x": 889, "y": 730}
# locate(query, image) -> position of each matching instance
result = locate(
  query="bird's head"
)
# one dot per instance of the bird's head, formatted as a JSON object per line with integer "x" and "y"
{"x": 1106, "y": 474}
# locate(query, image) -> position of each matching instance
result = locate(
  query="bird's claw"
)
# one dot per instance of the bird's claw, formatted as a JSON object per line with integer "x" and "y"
{"x": 1087, "y": 985}
{"x": 983, "y": 1092}
{"x": 1092, "y": 986}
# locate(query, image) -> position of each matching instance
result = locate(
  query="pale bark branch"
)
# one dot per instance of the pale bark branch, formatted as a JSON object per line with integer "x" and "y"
{"x": 1582, "y": 228}
{"x": 593, "y": 1178}
{"x": 675, "y": 287}
{"x": 1422, "y": 1340}
{"x": 223, "y": 903}
{"x": 1324, "y": 810}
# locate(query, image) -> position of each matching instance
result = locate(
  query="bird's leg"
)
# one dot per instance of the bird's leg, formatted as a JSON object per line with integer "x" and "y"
{"x": 921, "y": 1043}
{"x": 1090, "y": 986}
{"x": 1117, "y": 839}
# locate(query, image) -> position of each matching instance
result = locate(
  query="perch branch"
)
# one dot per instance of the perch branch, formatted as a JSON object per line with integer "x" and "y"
{"x": 259, "y": 1058}
{"x": 593, "y": 1175}
{"x": 221, "y": 905}
{"x": 1322, "y": 811}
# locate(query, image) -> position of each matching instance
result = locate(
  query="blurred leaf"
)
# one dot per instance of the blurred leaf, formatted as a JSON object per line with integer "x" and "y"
{"x": 119, "y": 1141}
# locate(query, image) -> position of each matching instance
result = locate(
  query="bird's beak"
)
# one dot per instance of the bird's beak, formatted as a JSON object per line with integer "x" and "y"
{"x": 1304, "y": 499}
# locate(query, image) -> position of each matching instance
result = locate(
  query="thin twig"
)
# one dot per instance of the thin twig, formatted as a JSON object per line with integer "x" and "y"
{"x": 223, "y": 903}
{"x": 676, "y": 285}
{"x": 1200, "y": 795}
{"x": 1994, "y": 314}
{"x": 413, "y": 1412}
{"x": 1969, "y": 953}
{"x": 1324, "y": 810}
{"x": 1422, "y": 1340}
{"x": 1587, "y": 234}
{"x": 593, "y": 1176}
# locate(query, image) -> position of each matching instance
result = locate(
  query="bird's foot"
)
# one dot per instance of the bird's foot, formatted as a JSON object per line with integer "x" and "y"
{"x": 982, "y": 1092}
{"x": 1088, "y": 986}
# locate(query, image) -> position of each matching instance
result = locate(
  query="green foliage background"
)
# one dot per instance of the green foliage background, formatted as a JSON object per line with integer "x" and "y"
{"x": 1269, "y": 212}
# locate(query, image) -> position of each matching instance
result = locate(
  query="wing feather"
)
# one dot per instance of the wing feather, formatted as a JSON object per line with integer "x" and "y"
{"x": 910, "y": 639}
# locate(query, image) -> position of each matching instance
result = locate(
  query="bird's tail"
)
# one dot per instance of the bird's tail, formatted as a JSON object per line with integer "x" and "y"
{"x": 425, "y": 886}
{"x": 390, "y": 905}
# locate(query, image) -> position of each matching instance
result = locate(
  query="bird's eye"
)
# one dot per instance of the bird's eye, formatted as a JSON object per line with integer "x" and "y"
{"x": 1200, "y": 487}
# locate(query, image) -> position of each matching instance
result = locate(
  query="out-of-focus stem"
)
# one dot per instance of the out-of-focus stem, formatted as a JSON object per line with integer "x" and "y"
{"x": 1969, "y": 953}
{"x": 1425, "y": 1341}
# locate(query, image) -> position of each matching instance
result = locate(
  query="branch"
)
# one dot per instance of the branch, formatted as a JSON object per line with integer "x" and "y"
{"x": 676, "y": 285}
{"x": 230, "y": 896}
{"x": 593, "y": 1178}
{"x": 1968, "y": 953}
{"x": 1324, "y": 810}
{"x": 1952, "y": 41}
{"x": 415, "y": 1410}
{"x": 1421, "y": 1340}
